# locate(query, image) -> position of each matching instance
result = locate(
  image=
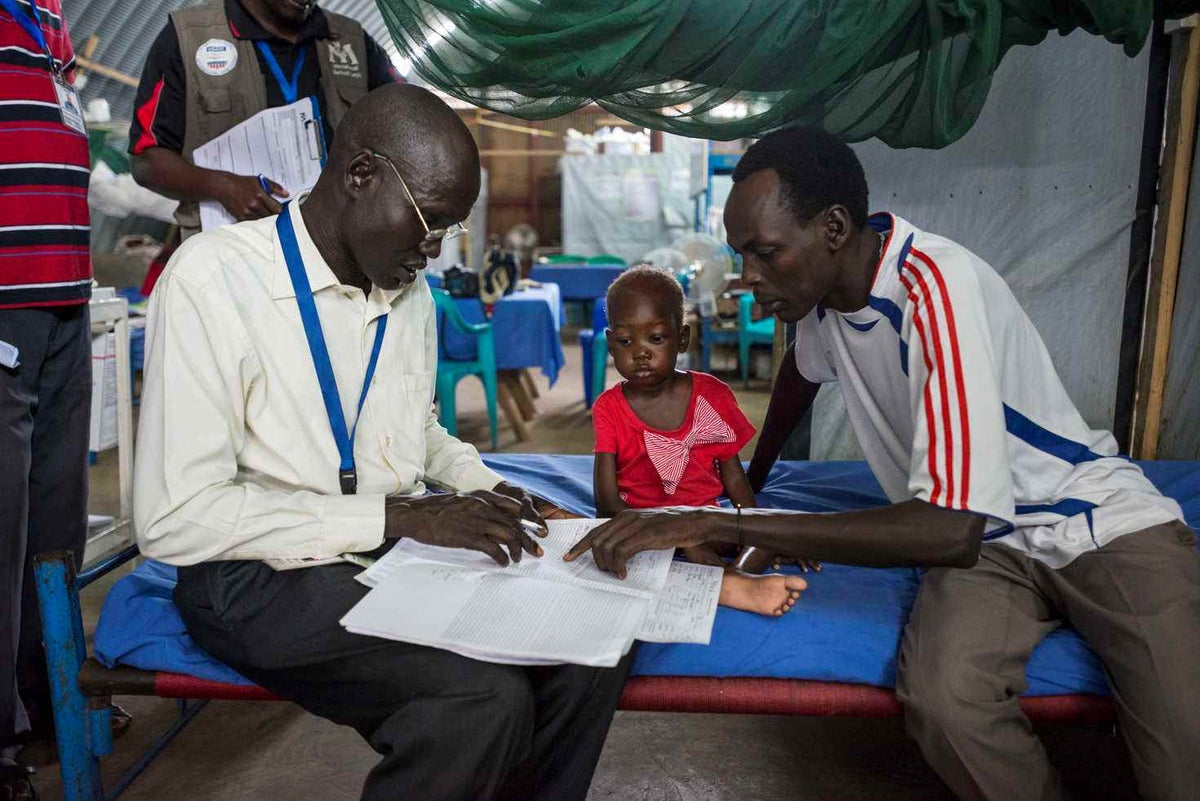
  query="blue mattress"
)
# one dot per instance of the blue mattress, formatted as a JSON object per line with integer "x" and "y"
{"x": 846, "y": 627}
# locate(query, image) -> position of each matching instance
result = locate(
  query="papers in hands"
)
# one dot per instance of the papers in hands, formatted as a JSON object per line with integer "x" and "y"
{"x": 499, "y": 618}
{"x": 537, "y": 611}
{"x": 281, "y": 143}
{"x": 646, "y": 572}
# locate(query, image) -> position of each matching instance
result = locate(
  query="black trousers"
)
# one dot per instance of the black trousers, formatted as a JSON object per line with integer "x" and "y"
{"x": 448, "y": 728}
{"x": 45, "y": 404}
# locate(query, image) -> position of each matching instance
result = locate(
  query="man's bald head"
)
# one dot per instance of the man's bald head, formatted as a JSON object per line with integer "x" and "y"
{"x": 396, "y": 136}
{"x": 414, "y": 128}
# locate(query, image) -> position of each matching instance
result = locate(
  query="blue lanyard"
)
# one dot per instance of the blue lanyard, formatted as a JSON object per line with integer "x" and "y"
{"x": 347, "y": 476}
{"x": 32, "y": 24}
{"x": 290, "y": 89}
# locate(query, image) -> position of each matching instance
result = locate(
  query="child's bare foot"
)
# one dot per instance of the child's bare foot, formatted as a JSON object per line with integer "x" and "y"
{"x": 766, "y": 595}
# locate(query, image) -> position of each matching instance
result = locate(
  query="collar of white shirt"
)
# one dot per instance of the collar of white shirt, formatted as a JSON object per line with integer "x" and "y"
{"x": 320, "y": 275}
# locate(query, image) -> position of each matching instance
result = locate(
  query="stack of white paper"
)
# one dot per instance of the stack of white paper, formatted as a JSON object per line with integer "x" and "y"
{"x": 538, "y": 611}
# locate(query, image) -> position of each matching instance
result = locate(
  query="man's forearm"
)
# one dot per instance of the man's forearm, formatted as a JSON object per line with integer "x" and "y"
{"x": 171, "y": 175}
{"x": 909, "y": 534}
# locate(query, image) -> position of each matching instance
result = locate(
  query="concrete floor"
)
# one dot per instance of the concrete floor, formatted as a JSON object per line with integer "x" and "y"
{"x": 267, "y": 751}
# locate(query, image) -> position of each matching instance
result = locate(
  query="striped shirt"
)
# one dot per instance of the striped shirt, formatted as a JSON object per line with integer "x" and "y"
{"x": 954, "y": 400}
{"x": 44, "y": 228}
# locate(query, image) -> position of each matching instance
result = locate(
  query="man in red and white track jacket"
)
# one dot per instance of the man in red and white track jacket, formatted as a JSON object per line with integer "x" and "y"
{"x": 1025, "y": 518}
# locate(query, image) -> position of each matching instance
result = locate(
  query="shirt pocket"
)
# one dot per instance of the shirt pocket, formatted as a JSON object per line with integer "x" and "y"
{"x": 403, "y": 409}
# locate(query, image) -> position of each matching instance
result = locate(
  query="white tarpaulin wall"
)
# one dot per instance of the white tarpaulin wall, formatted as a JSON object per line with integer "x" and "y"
{"x": 625, "y": 205}
{"x": 1043, "y": 189}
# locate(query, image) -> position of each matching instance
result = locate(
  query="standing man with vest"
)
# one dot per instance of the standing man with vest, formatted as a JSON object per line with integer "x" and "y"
{"x": 45, "y": 350}
{"x": 218, "y": 64}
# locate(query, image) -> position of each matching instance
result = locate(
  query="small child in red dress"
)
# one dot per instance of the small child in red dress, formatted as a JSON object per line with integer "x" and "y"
{"x": 665, "y": 437}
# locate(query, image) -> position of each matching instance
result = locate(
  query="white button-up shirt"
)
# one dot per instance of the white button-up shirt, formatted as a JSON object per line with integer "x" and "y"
{"x": 235, "y": 457}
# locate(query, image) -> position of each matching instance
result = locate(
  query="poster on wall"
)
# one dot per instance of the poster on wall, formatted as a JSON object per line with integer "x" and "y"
{"x": 639, "y": 193}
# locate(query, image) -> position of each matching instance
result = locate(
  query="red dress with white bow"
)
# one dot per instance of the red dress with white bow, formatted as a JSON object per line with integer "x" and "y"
{"x": 672, "y": 468}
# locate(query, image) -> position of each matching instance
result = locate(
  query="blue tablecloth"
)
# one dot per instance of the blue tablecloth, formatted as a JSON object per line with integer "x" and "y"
{"x": 525, "y": 326}
{"x": 578, "y": 281}
{"x": 846, "y": 627}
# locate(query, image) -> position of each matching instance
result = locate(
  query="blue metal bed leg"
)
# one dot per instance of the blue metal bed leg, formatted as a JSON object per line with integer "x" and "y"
{"x": 187, "y": 713}
{"x": 62, "y": 636}
{"x": 100, "y": 725}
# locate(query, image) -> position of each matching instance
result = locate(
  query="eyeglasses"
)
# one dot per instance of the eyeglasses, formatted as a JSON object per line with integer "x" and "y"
{"x": 431, "y": 234}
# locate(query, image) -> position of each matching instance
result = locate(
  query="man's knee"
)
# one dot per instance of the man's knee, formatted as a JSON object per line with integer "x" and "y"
{"x": 496, "y": 699}
{"x": 939, "y": 688}
{"x": 507, "y": 691}
{"x": 575, "y": 684}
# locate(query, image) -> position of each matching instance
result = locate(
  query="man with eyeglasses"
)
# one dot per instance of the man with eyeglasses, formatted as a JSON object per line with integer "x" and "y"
{"x": 286, "y": 422}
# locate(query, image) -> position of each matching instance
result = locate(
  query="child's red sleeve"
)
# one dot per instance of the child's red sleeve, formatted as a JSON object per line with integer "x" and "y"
{"x": 605, "y": 424}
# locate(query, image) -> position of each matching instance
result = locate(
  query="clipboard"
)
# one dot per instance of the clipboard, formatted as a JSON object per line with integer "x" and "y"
{"x": 286, "y": 144}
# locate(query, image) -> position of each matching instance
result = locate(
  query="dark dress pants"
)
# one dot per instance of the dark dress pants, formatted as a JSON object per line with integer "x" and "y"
{"x": 446, "y": 727}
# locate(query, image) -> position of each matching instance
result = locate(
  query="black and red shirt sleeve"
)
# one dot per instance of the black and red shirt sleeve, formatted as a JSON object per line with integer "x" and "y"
{"x": 159, "y": 109}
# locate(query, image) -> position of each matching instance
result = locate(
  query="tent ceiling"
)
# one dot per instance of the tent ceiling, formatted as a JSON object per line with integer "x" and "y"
{"x": 127, "y": 29}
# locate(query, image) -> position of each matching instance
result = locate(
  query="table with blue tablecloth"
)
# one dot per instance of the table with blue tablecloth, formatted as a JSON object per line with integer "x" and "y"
{"x": 584, "y": 282}
{"x": 525, "y": 328}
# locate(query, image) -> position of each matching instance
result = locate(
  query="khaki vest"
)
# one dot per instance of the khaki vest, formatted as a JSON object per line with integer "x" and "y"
{"x": 216, "y": 103}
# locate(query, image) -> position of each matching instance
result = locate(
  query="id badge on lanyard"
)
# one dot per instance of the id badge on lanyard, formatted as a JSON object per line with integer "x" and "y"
{"x": 69, "y": 107}
{"x": 68, "y": 104}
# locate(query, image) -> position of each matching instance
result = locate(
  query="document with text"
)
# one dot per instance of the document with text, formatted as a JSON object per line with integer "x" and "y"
{"x": 686, "y": 606}
{"x": 284, "y": 144}
{"x": 538, "y": 611}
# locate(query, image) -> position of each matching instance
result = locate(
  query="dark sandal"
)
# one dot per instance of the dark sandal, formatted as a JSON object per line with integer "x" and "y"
{"x": 15, "y": 784}
{"x": 43, "y": 751}
{"x": 121, "y": 721}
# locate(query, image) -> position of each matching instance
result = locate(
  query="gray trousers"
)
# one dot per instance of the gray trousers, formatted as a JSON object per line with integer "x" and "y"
{"x": 447, "y": 728}
{"x": 44, "y": 408}
{"x": 1136, "y": 602}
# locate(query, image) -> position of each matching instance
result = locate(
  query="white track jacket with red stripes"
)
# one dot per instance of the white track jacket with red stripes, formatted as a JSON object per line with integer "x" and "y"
{"x": 955, "y": 401}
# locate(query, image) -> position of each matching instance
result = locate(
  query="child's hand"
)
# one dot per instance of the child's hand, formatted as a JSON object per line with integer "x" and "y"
{"x": 704, "y": 555}
{"x": 755, "y": 561}
{"x": 805, "y": 565}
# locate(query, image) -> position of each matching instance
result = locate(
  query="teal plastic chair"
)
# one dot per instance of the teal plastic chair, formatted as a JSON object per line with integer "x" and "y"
{"x": 606, "y": 258}
{"x": 593, "y": 343}
{"x": 751, "y": 333}
{"x": 450, "y": 371}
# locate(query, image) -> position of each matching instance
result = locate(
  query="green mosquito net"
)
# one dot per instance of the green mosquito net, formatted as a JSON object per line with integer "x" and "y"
{"x": 914, "y": 73}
